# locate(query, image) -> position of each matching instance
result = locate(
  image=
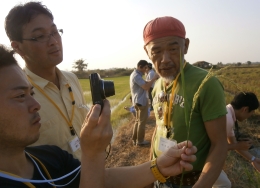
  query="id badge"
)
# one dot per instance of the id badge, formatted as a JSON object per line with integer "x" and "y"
{"x": 74, "y": 144}
{"x": 165, "y": 144}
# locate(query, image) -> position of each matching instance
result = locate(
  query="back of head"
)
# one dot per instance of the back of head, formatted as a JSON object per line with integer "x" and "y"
{"x": 245, "y": 99}
{"x": 142, "y": 63}
{"x": 163, "y": 27}
{"x": 150, "y": 66}
{"x": 21, "y": 15}
{"x": 6, "y": 57}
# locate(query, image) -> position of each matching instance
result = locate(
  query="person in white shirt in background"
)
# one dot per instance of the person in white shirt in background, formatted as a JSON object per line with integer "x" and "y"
{"x": 149, "y": 76}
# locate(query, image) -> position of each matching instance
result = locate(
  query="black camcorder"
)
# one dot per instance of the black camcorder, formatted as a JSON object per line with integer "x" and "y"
{"x": 100, "y": 89}
{"x": 241, "y": 137}
{"x": 245, "y": 139}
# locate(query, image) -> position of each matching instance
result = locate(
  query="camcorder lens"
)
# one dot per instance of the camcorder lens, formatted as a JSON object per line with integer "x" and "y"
{"x": 107, "y": 88}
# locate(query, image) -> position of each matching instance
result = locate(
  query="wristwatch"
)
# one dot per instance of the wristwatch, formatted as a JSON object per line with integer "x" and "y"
{"x": 252, "y": 159}
{"x": 157, "y": 174}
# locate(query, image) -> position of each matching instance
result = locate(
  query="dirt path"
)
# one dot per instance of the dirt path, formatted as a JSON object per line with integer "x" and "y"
{"x": 123, "y": 153}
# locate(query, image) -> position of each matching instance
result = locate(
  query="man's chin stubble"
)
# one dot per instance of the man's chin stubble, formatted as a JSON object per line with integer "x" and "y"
{"x": 168, "y": 79}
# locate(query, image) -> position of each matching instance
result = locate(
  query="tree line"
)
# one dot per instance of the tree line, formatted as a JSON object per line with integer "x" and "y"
{"x": 82, "y": 73}
{"x": 81, "y": 66}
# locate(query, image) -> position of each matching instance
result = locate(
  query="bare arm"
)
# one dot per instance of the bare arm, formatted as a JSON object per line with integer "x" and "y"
{"x": 148, "y": 84}
{"x": 95, "y": 136}
{"x": 233, "y": 144}
{"x": 151, "y": 154}
{"x": 242, "y": 147}
{"x": 172, "y": 162}
{"x": 216, "y": 130}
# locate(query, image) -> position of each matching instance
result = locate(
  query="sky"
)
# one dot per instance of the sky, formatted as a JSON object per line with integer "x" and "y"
{"x": 109, "y": 34}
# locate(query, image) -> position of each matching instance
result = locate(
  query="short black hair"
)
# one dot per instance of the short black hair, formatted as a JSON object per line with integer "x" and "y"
{"x": 22, "y": 14}
{"x": 6, "y": 57}
{"x": 150, "y": 66}
{"x": 142, "y": 63}
{"x": 245, "y": 99}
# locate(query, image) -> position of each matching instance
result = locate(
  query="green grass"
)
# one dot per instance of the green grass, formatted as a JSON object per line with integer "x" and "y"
{"x": 119, "y": 100}
{"x": 122, "y": 89}
{"x": 235, "y": 79}
{"x": 120, "y": 116}
{"x": 240, "y": 172}
{"x": 245, "y": 77}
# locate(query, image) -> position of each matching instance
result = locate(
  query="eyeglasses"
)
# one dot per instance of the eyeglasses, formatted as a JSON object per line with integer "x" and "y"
{"x": 46, "y": 37}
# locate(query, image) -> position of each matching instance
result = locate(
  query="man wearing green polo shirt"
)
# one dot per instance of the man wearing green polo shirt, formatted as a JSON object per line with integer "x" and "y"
{"x": 177, "y": 116}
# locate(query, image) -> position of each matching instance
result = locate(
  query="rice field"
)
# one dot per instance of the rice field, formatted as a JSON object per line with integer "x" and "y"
{"x": 122, "y": 89}
{"x": 117, "y": 102}
{"x": 235, "y": 79}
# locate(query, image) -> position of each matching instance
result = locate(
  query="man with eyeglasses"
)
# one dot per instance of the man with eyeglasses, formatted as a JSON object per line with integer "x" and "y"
{"x": 36, "y": 38}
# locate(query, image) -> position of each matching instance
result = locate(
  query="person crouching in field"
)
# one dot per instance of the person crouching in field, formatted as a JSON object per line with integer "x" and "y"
{"x": 241, "y": 107}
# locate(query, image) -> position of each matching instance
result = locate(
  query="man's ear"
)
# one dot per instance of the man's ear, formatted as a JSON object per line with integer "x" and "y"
{"x": 245, "y": 109}
{"x": 186, "y": 45}
{"x": 17, "y": 47}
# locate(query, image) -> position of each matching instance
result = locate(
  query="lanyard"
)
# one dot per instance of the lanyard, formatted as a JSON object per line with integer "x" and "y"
{"x": 72, "y": 131}
{"x": 168, "y": 111}
{"x": 28, "y": 183}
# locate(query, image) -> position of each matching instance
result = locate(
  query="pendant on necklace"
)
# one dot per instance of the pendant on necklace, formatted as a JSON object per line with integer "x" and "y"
{"x": 162, "y": 96}
{"x": 160, "y": 112}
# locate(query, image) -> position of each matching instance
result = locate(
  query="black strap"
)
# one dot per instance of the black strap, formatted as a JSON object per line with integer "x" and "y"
{"x": 237, "y": 134}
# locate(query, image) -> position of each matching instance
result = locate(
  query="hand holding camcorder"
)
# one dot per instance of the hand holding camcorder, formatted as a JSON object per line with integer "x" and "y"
{"x": 100, "y": 89}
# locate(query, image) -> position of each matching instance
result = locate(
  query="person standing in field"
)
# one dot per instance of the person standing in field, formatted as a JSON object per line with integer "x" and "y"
{"x": 166, "y": 44}
{"x": 36, "y": 38}
{"x": 139, "y": 88}
{"x": 241, "y": 107}
{"x": 149, "y": 75}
